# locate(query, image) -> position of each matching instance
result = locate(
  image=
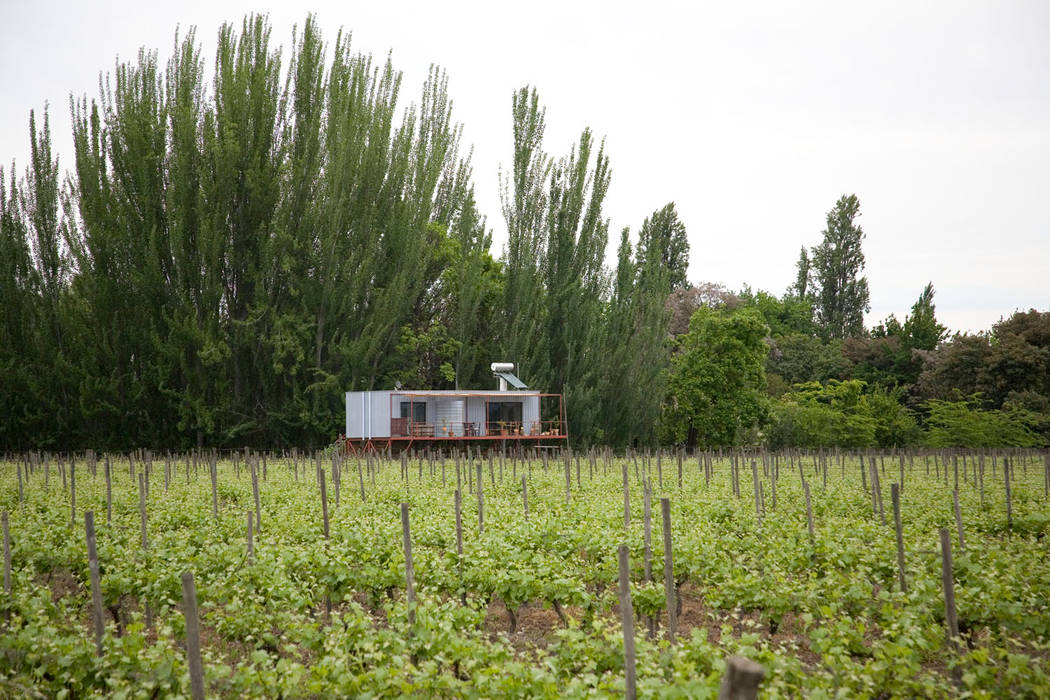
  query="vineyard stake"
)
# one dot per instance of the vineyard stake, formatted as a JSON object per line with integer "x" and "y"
{"x": 459, "y": 522}
{"x": 741, "y": 679}
{"x": 481, "y": 500}
{"x": 7, "y": 556}
{"x": 213, "y": 473}
{"x": 773, "y": 489}
{"x": 255, "y": 493}
{"x": 958, "y": 519}
{"x": 322, "y": 481}
{"x": 669, "y": 587}
{"x": 72, "y": 493}
{"x": 809, "y": 513}
{"x": 410, "y": 587}
{"x": 1007, "y": 468}
{"x": 142, "y": 508}
{"x": 627, "y": 618}
{"x": 193, "y": 635}
{"x": 754, "y": 480}
{"x": 109, "y": 493}
{"x": 876, "y": 481}
{"x": 568, "y": 479}
{"x": 949, "y": 589}
{"x": 96, "y": 586}
{"x": 251, "y": 539}
{"x": 525, "y": 496}
{"x": 895, "y": 494}
{"x": 647, "y": 528}
{"x": 626, "y": 498}
{"x": 324, "y": 501}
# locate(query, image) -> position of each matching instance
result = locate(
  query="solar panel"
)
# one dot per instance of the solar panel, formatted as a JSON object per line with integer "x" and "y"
{"x": 512, "y": 380}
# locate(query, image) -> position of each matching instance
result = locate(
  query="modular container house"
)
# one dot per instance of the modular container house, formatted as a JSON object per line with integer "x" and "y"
{"x": 376, "y": 419}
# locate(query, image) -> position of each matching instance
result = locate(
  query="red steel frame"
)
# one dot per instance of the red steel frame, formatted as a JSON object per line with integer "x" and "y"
{"x": 375, "y": 444}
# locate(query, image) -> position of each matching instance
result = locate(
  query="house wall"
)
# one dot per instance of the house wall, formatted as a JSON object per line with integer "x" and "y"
{"x": 368, "y": 413}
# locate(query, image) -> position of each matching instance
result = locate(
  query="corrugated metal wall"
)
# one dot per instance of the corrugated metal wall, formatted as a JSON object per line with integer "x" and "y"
{"x": 368, "y": 413}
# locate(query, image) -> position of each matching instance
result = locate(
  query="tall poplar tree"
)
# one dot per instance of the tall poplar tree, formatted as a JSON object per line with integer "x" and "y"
{"x": 841, "y": 292}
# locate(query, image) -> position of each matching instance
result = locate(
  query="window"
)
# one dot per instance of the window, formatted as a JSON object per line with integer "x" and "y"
{"x": 416, "y": 410}
{"x": 504, "y": 411}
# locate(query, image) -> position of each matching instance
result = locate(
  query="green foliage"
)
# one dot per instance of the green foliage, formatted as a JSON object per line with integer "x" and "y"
{"x": 760, "y": 589}
{"x": 556, "y": 283}
{"x": 1009, "y": 366}
{"x": 840, "y": 293}
{"x": 663, "y": 245}
{"x": 717, "y": 380}
{"x": 840, "y": 414}
{"x": 789, "y": 315}
{"x": 798, "y": 359}
{"x": 964, "y": 423}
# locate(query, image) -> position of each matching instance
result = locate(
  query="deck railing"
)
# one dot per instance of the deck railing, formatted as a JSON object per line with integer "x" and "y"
{"x": 406, "y": 427}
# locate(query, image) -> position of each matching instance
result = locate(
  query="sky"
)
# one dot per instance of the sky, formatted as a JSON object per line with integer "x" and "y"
{"x": 752, "y": 117}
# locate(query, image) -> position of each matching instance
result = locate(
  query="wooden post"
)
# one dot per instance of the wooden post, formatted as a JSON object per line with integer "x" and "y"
{"x": 958, "y": 519}
{"x": 7, "y": 553}
{"x": 481, "y": 501}
{"x": 809, "y": 512}
{"x": 337, "y": 479}
{"x": 72, "y": 492}
{"x": 255, "y": 493}
{"x": 980, "y": 478}
{"x": 324, "y": 502}
{"x": 647, "y": 528}
{"x": 1007, "y": 468}
{"x": 525, "y": 496}
{"x": 459, "y": 522}
{"x": 877, "y": 482}
{"x": 627, "y": 618}
{"x": 949, "y": 589}
{"x": 96, "y": 585}
{"x": 741, "y": 679}
{"x": 142, "y": 508}
{"x": 669, "y": 587}
{"x": 568, "y": 480}
{"x": 109, "y": 493}
{"x": 213, "y": 470}
{"x": 1046, "y": 475}
{"x": 410, "y": 586}
{"x": 193, "y": 636}
{"x": 773, "y": 489}
{"x": 361, "y": 477}
{"x": 895, "y": 494}
{"x": 251, "y": 539}
{"x": 758, "y": 501}
{"x": 626, "y": 498}
{"x": 18, "y": 468}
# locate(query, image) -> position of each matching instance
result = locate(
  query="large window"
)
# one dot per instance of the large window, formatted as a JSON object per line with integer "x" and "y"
{"x": 415, "y": 410}
{"x": 504, "y": 412}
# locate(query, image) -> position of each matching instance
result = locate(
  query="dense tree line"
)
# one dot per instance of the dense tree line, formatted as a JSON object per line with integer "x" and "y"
{"x": 225, "y": 255}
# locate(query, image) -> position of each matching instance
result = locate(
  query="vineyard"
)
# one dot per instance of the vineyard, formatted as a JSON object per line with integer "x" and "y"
{"x": 893, "y": 574}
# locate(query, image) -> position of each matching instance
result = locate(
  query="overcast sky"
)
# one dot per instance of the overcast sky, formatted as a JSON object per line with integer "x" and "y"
{"x": 753, "y": 117}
